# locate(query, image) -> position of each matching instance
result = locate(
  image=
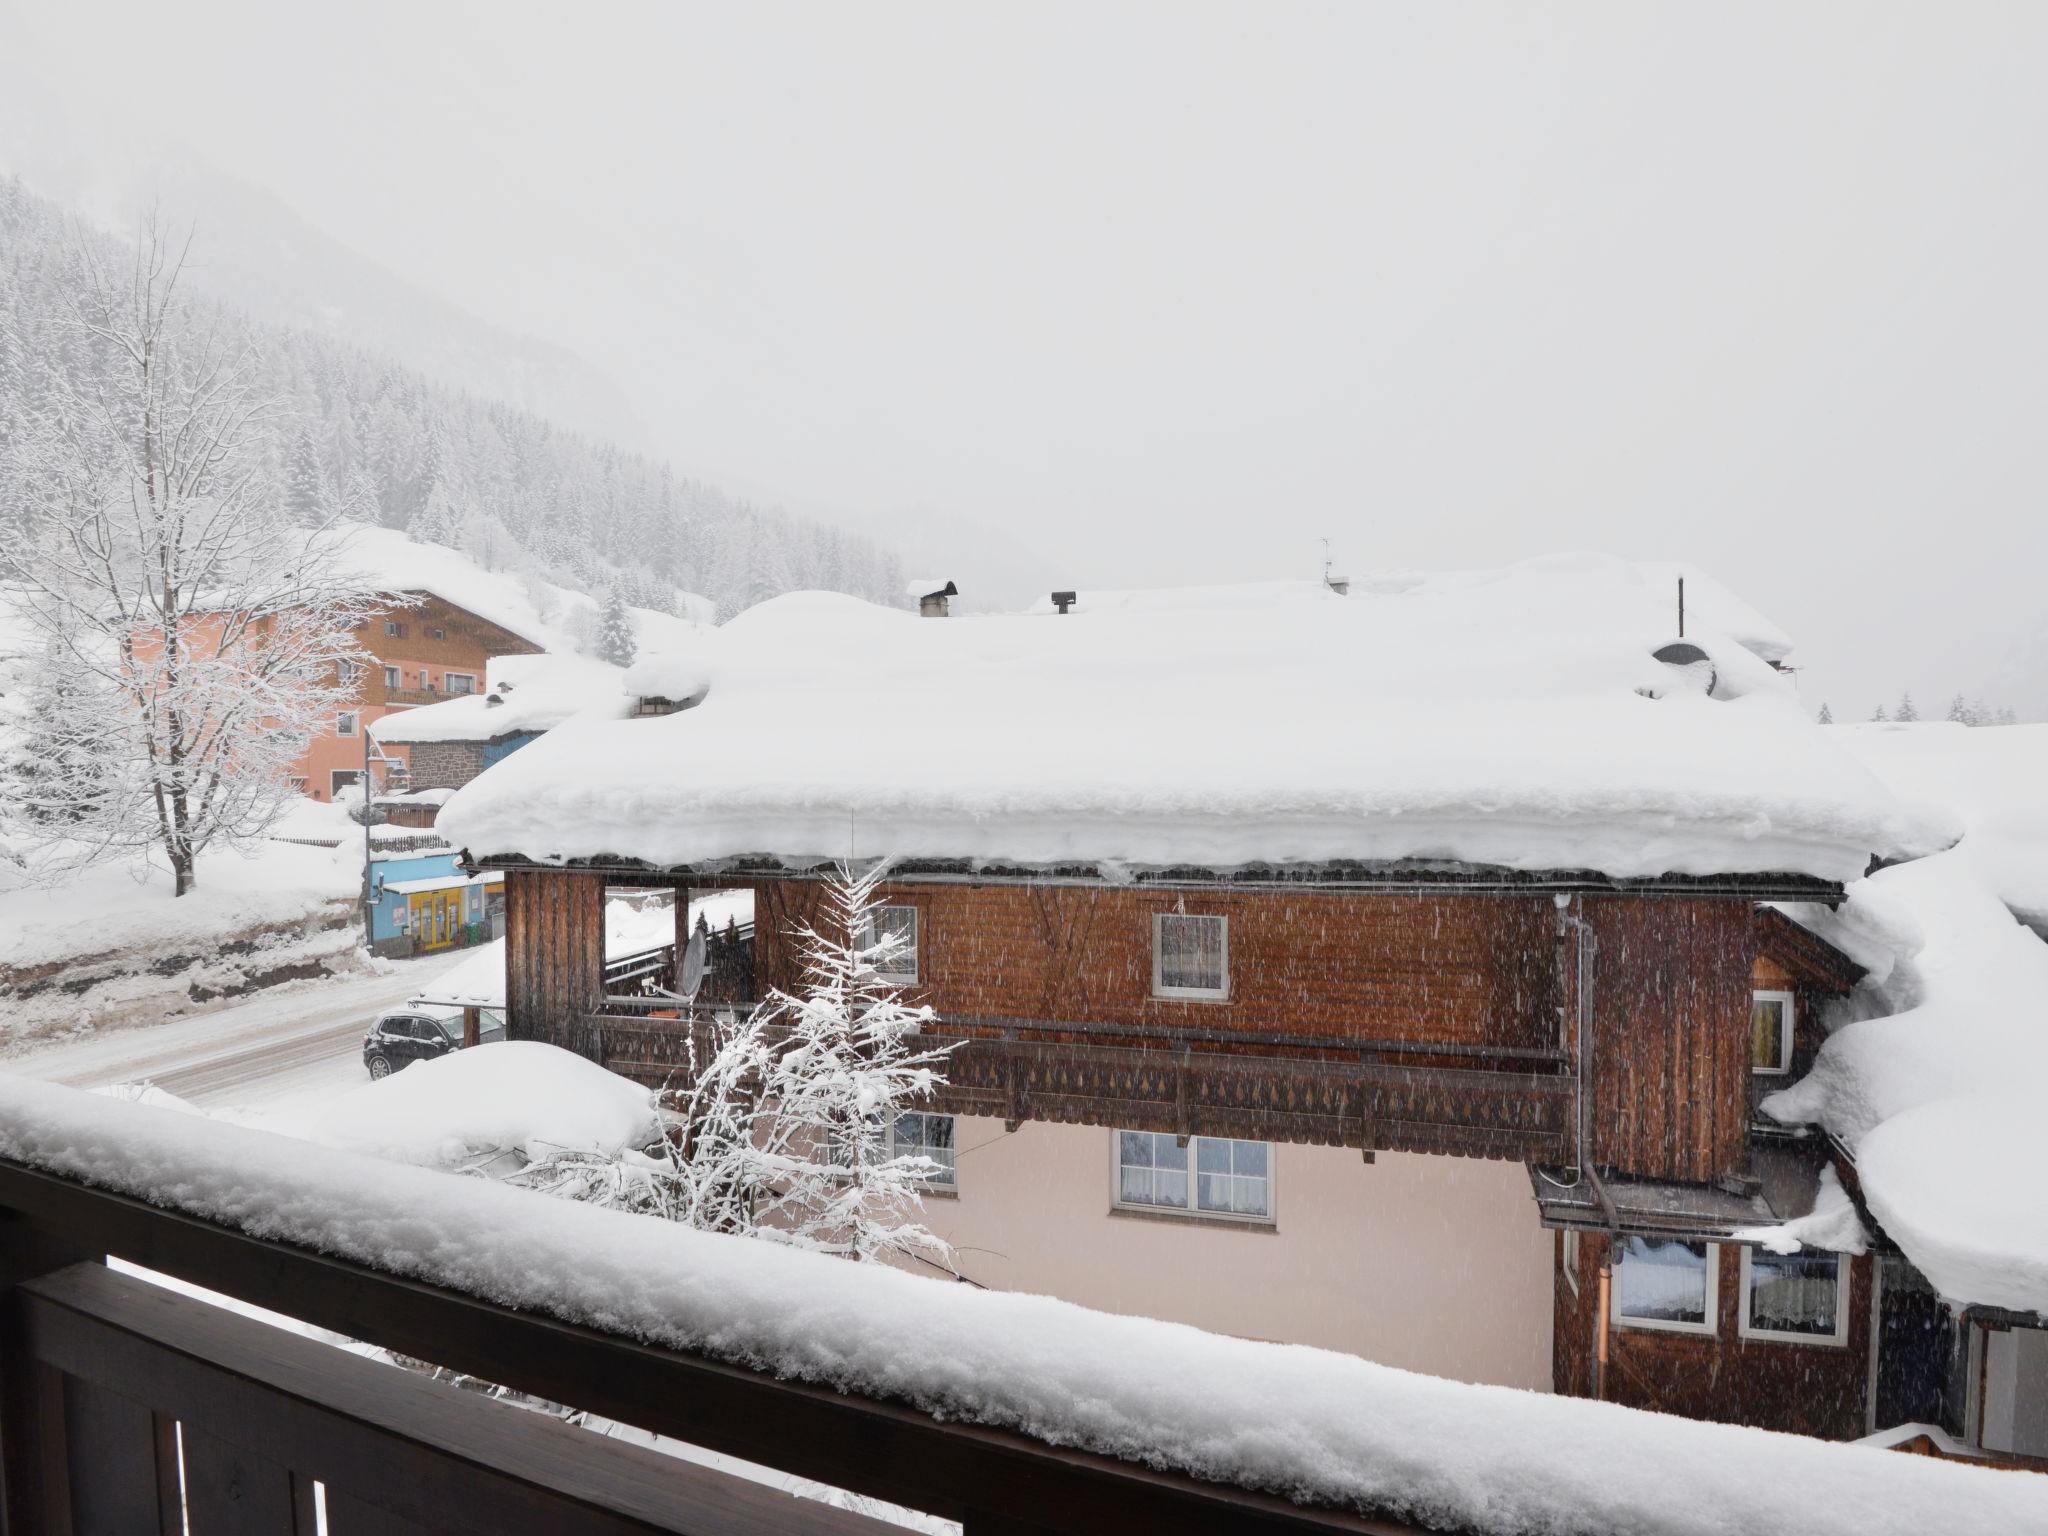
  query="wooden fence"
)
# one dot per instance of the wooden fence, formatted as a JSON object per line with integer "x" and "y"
{"x": 128, "y": 1408}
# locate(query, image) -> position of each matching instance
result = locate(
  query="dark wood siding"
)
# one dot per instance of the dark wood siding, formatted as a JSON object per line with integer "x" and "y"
{"x": 1806, "y": 1389}
{"x": 554, "y": 956}
{"x": 1670, "y": 1035}
{"x": 1461, "y": 970}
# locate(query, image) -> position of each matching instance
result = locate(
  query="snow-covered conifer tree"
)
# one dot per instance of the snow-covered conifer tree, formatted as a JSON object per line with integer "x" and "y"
{"x": 149, "y": 550}
{"x": 1827, "y": 716}
{"x": 1878, "y": 715}
{"x": 615, "y": 642}
{"x": 1907, "y": 712}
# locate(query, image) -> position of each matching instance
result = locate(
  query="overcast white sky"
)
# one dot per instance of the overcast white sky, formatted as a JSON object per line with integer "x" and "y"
{"x": 1172, "y": 291}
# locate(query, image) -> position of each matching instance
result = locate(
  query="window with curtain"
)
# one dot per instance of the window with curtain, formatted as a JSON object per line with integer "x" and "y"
{"x": 918, "y": 1134}
{"x": 1662, "y": 1283}
{"x": 900, "y": 924}
{"x": 1190, "y": 956}
{"x": 1770, "y": 1028}
{"x": 1210, "y": 1176}
{"x": 1794, "y": 1296}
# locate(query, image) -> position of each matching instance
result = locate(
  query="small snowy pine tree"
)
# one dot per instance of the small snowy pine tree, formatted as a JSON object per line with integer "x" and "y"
{"x": 1958, "y": 711}
{"x": 615, "y": 640}
{"x": 1827, "y": 716}
{"x": 1879, "y": 714}
{"x": 1907, "y": 712}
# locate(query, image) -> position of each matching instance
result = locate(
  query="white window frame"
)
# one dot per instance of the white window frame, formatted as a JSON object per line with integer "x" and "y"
{"x": 448, "y": 679}
{"x": 1839, "y": 1339}
{"x": 900, "y": 977}
{"x": 1710, "y": 1328}
{"x": 394, "y": 677}
{"x": 1791, "y": 1002}
{"x": 1194, "y": 1207}
{"x": 899, "y": 1148}
{"x": 1189, "y": 994}
{"x": 348, "y": 722}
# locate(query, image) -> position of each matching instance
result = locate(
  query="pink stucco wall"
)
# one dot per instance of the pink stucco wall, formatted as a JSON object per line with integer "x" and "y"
{"x": 1435, "y": 1264}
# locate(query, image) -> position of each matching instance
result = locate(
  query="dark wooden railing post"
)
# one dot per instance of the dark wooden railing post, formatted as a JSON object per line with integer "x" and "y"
{"x": 34, "y": 1480}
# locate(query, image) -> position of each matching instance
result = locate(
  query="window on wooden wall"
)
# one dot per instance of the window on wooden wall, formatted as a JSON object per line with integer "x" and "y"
{"x": 1190, "y": 956}
{"x": 1797, "y": 1298}
{"x": 1770, "y": 1029}
{"x": 918, "y": 1134}
{"x": 900, "y": 925}
{"x": 1210, "y": 1176}
{"x": 436, "y": 634}
{"x": 1662, "y": 1283}
{"x": 391, "y": 676}
{"x": 393, "y": 627}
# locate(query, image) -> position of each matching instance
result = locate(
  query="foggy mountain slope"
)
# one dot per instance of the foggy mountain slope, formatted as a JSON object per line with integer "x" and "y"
{"x": 516, "y": 492}
{"x": 259, "y": 254}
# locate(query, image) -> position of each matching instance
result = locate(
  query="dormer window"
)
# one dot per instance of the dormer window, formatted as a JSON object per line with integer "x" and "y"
{"x": 1770, "y": 1030}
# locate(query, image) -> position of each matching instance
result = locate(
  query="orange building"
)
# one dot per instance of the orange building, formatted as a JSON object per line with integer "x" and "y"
{"x": 423, "y": 654}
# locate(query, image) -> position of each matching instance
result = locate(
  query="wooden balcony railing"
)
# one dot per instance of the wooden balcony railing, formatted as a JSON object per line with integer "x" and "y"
{"x": 1373, "y": 1095}
{"x": 126, "y": 1407}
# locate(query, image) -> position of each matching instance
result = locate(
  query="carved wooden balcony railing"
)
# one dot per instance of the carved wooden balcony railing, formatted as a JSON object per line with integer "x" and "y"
{"x": 1373, "y": 1095}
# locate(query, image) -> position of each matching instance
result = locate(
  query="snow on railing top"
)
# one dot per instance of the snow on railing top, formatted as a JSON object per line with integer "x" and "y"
{"x": 1319, "y": 1426}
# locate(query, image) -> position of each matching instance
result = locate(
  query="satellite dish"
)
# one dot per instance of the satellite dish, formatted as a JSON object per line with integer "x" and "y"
{"x": 691, "y": 972}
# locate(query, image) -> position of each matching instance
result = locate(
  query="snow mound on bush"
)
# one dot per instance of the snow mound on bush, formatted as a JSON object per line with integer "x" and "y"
{"x": 517, "y": 1096}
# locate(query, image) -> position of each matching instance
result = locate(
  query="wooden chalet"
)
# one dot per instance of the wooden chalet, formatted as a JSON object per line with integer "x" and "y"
{"x": 1606, "y": 1027}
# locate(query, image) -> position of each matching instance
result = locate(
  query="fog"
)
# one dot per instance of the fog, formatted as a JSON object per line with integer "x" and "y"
{"x": 1135, "y": 294}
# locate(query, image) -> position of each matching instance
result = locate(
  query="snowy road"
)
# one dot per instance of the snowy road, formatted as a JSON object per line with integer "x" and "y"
{"x": 278, "y": 1051}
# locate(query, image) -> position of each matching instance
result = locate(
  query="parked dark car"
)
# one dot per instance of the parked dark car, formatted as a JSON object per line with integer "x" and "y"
{"x": 397, "y": 1040}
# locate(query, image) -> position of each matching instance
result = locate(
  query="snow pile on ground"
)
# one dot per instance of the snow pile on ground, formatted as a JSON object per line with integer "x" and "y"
{"x": 1937, "y": 1086}
{"x": 1514, "y": 718}
{"x": 516, "y": 1095}
{"x": 552, "y": 617}
{"x": 521, "y": 693}
{"x": 1307, "y": 1423}
{"x": 114, "y": 908}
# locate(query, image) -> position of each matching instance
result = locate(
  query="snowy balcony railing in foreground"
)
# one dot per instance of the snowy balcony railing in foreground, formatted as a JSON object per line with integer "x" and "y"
{"x": 1008, "y": 1413}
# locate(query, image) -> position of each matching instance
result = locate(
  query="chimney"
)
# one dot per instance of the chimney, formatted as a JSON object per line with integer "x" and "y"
{"x": 1063, "y": 600}
{"x": 931, "y": 597}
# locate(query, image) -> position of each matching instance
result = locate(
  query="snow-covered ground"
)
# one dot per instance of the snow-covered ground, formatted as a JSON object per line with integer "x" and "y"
{"x": 281, "y": 1054}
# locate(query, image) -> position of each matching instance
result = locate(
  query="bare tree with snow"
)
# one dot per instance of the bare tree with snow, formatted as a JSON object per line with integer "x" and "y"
{"x": 157, "y": 561}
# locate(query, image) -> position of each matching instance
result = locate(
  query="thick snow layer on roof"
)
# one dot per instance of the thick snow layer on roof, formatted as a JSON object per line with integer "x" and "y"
{"x": 1308, "y": 1423}
{"x": 521, "y": 693}
{"x": 676, "y": 675}
{"x": 1496, "y": 718}
{"x": 1936, "y": 1087}
{"x": 515, "y": 1095}
{"x": 552, "y": 617}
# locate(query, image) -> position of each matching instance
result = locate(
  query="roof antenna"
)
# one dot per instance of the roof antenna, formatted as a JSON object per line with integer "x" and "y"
{"x": 1681, "y": 607}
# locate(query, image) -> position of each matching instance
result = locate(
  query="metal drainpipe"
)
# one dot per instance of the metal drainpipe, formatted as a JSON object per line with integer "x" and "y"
{"x": 1600, "y": 1356}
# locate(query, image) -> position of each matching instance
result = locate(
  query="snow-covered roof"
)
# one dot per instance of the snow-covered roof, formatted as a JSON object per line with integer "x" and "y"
{"x": 442, "y": 883}
{"x": 551, "y": 617}
{"x": 1509, "y": 718}
{"x": 521, "y": 693}
{"x": 677, "y": 675}
{"x": 1314, "y": 1425}
{"x": 1936, "y": 1088}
